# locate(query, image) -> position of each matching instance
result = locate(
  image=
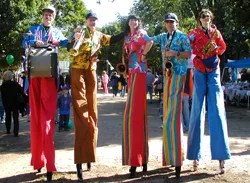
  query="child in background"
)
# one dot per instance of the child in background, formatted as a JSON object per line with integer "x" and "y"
{"x": 64, "y": 103}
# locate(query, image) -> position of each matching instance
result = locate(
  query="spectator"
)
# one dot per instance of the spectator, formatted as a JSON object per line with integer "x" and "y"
{"x": 11, "y": 91}
{"x": 105, "y": 81}
{"x": 114, "y": 83}
{"x": 64, "y": 103}
{"x": 150, "y": 84}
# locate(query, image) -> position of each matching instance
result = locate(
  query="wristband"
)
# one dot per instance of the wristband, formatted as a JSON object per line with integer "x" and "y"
{"x": 178, "y": 54}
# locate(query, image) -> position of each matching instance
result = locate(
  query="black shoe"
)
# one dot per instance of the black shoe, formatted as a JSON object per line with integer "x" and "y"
{"x": 39, "y": 170}
{"x": 79, "y": 171}
{"x": 88, "y": 166}
{"x": 49, "y": 176}
{"x": 145, "y": 168}
{"x": 132, "y": 171}
{"x": 178, "y": 172}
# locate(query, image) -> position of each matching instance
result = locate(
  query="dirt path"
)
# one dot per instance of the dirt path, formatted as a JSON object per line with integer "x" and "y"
{"x": 15, "y": 155}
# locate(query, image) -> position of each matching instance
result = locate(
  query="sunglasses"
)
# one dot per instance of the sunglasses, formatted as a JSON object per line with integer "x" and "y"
{"x": 205, "y": 16}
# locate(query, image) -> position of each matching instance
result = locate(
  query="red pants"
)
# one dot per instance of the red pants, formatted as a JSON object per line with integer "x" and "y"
{"x": 43, "y": 100}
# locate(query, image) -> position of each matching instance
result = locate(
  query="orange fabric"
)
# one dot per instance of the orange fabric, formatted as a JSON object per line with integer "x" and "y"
{"x": 84, "y": 89}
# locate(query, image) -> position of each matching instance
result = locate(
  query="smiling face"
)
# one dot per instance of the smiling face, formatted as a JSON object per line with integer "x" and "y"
{"x": 48, "y": 18}
{"x": 205, "y": 18}
{"x": 133, "y": 24}
{"x": 91, "y": 23}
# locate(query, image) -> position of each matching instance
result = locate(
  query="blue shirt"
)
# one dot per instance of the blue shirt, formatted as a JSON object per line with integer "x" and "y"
{"x": 64, "y": 104}
{"x": 40, "y": 33}
{"x": 180, "y": 42}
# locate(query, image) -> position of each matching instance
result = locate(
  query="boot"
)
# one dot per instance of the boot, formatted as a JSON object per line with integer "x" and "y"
{"x": 222, "y": 166}
{"x": 195, "y": 165}
{"x": 49, "y": 176}
{"x": 79, "y": 171}
{"x": 145, "y": 167}
{"x": 89, "y": 166}
{"x": 132, "y": 171}
{"x": 178, "y": 172}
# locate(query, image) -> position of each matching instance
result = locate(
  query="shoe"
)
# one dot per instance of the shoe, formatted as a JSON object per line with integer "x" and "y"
{"x": 49, "y": 176}
{"x": 222, "y": 166}
{"x": 145, "y": 168}
{"x": 195, "y": 165}
{"x": 178, "y": 172}
{"x": 88, "y": 166}
{"x": 39, "y": 170}
{"x": 132, "y": 171}
{"x": 79, "y": 171}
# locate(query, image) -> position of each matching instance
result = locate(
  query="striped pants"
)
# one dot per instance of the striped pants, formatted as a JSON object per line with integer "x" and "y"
{"x": 173, "y": 152}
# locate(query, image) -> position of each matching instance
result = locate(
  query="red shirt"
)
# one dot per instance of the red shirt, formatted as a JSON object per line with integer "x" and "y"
{"x": 203, "y": 45}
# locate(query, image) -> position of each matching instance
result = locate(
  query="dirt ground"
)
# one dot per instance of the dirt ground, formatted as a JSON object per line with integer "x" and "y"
{"x": 15, "y": 152}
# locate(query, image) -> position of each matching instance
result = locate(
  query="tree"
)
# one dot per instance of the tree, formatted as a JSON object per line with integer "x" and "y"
{"x": 231, "y": 18}
{"x": 17, "y": 16}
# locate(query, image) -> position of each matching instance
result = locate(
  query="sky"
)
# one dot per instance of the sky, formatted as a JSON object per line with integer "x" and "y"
{"x": 107, "y": 11}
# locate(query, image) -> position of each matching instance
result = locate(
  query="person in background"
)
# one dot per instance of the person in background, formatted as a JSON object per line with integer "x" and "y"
{"x": 2, "y": 116}
{"x": 175, "y": 48}
{"x": 159, "y": 86}
{"x": 43, "y": 96}
{"x": 84, "y": 88}
{"x": 207, "y": 43}
{"x": 64, "y": 103}
{"x": 187, "y": 95}
{"x": 150, "y": 84}
{"x": 105, "y": 81}
{"x": 123, "y": 82}
{"x": 114, "y": 83}
{"x": 135, "y": 126}
{"x": 10, "y": 91}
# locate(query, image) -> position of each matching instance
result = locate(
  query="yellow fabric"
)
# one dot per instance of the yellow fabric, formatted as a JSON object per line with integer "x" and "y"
{"x": 90, "y": 48}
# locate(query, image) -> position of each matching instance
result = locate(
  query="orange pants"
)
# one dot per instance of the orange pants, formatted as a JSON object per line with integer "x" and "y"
{"x": 43, "y": 99}
{"x": 84, "y": 89}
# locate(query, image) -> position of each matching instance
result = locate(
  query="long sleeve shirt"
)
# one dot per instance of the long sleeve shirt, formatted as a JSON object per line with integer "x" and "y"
{"x": 202, "y": 43}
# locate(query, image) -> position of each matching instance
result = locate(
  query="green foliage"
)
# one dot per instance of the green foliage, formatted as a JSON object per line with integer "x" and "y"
{"x": 17, "y": 16}
{"x": 231, "y": 18}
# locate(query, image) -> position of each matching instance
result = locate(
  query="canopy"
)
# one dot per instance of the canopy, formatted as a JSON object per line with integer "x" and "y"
{"x": 243, "y": 63}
